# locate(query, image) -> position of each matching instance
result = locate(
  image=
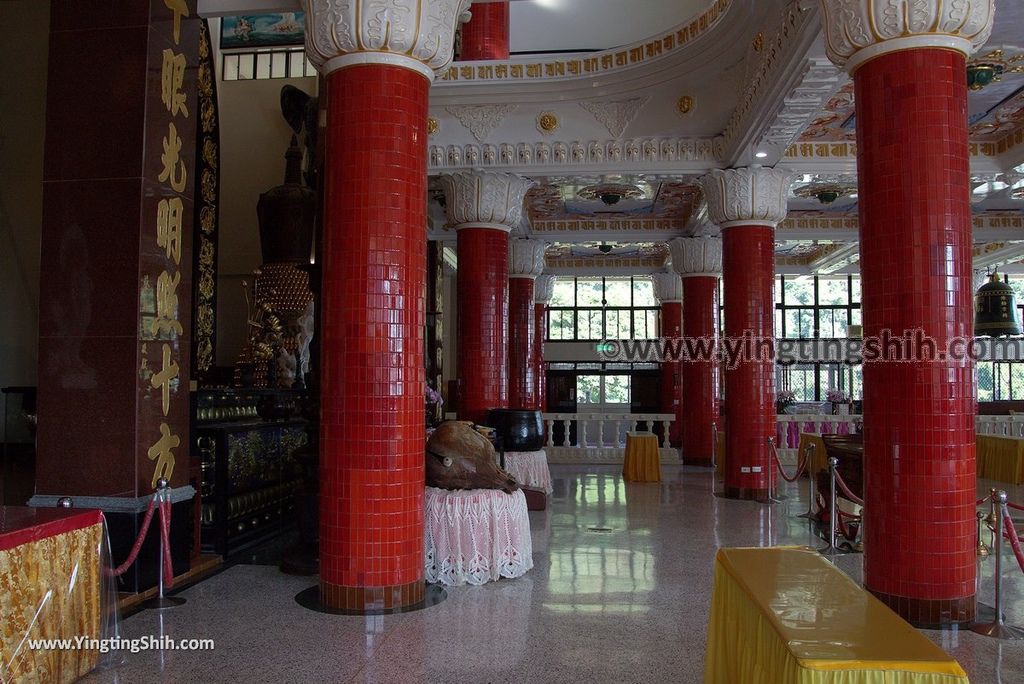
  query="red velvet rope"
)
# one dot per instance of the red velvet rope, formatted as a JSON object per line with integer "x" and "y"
{"x": 123, "y": 568}
{"x": 846, "y": 490}
{"x": 1015, "y": 506}
{"x": 165, "y": 541}
{"x": 778, "y": 464}
{"x": 1011, "y": 534}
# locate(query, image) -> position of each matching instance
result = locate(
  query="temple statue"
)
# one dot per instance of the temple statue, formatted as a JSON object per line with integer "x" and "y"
{"x": 281, "y": 308}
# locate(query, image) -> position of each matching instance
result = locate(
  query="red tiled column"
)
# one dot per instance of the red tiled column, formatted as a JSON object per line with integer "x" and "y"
{"x": 915, "y": 242}
{"x": 669, "y": 291}
{"x": 522, "y": 393}
{"x": 748, "y": 204}
{"x": 485, "y": 36}
{"x": 526, "y": 261}
{"x": 484, "y": 206}
{"x": 374, "y": 277}
{"x": 698, "y": 260}
{"x": 542, "y": 290}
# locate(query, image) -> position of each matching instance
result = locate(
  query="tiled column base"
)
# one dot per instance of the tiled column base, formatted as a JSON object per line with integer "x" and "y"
{"x": 369, "y": 599}
{"x": 485, "y": 36}
{"x": 915, "y": 237}
{"x": 698, "y": 402}
{"x": 748, "y": 261}
{"x": 925, "y": 614}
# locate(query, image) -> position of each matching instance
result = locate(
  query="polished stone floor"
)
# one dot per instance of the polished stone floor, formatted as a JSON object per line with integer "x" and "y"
{"x": 619, "y": 593}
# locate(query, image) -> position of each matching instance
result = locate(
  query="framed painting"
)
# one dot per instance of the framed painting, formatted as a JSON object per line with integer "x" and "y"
{"x": 262, "y": 30}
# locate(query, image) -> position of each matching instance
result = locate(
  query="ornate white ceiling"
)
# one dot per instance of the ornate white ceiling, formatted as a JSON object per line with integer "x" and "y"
{"x": 673, "y": 90}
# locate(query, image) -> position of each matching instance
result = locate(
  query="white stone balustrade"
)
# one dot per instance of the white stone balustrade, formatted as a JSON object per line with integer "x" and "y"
{"x": 605, "y": 443}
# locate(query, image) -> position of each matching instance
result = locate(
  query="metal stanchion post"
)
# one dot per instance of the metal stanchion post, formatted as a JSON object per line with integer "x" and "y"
{"x": 998, "y": 628}
{"x": 982, "y": 548}
{"x": 714, "y": 444}
{"x": 808, "y": 450}
{"x": 833, "y": 509}
{"x": 160, "y": 602}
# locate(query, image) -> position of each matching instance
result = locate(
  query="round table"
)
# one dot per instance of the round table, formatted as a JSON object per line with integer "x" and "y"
{"x": 474, "y": 536}
{"x": 530, "y": 468}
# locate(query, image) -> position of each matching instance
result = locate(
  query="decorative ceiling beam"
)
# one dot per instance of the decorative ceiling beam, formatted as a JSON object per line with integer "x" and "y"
{"x": 840, "y": 256}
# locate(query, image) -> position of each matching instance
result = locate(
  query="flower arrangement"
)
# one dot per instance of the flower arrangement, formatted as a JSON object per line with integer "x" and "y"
{"x": 784, "y": 399}
{"x": 837, "y": 396}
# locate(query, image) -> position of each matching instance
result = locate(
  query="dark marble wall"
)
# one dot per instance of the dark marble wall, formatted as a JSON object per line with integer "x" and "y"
{"x": 105, "y": 261}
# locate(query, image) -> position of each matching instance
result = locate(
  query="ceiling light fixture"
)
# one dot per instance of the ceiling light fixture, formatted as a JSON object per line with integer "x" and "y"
{"x": 761, "y": 155}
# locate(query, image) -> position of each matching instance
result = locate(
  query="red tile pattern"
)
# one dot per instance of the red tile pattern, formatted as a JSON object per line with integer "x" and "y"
{"x": 522, "y": 342}
{"x": 540, "y": 312}
{"x": 671, "y": 324}
{"x": 485, "y": 36}
{"x": 748, "y": 272}
{"x": 482, "y": 281}
{"x": 374, "y": 281}
{"x": 915, "y": 220}
{"x": 699, "y": 379}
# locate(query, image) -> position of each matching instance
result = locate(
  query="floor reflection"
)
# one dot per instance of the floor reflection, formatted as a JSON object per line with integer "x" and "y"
{"x": 620, "y": 591}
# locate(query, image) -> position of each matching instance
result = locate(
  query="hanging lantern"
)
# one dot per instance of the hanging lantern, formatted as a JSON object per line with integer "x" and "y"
{"x": 995, "y": 309}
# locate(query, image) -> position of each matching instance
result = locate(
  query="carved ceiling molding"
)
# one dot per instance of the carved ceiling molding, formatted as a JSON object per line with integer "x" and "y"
{"x": 774, "y": 59}
{"x": 857, "y": 30}
{"x": 598, "y": 63}
{"x": 696, "y": 256}
{"x": 484, "y": 197}
{"x": 395, "y": 30}
{"x": 480, "y": 120}
{"x": 823, "y": 223}
{"x": 525, "y": 258}
{"x": 668, "y": 287}
{"x": 623, "y": 225}
{"x": 750, "y": 196}
{"x": 543, "y": 288}
{"x": 615, "y": 115}
{"x": 599, "y": 263}
{"x": 820, "y": 80}
{"x": 577, "y": 153}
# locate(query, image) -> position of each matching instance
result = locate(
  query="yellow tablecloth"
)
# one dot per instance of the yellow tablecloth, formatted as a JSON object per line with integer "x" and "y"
{"x": 782, "y": 615}
{"x": 49, "y": 589}
{"x": 642, "y": 462}
{"x": 1001, "y": 458}
{"x": 819, "y": 457}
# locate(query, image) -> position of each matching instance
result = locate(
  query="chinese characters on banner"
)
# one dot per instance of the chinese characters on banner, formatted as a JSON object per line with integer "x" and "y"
{"x": 168, "y": 227}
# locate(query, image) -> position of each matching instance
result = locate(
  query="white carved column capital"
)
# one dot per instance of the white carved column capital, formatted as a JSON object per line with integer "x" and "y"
{"x": 543, "y": 289}
{"x": 668, "y": 287}
{"x": 525, "y": 258}
{"x": 484, "y": 199}
{"x": 696, "y": 256}
{"x": 415, "y": 34}
{"x": 858, "y": 30}
{"x": 753, "y": 196}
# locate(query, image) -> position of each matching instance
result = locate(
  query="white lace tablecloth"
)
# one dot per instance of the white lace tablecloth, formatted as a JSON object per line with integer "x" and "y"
{"x": 530, "y": 468}
{"x": 474, "y": 536}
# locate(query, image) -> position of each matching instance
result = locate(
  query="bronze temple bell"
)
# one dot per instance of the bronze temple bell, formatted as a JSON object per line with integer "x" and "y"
{"x": 995, "y": 308}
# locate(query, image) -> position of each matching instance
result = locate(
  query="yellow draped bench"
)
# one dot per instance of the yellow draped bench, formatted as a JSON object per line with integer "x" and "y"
{"x": 782, "y": 615}
{"x": 1000, "y": 458}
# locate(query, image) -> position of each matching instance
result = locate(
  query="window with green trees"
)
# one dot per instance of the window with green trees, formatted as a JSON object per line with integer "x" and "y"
{"x": 596, "y": 308}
